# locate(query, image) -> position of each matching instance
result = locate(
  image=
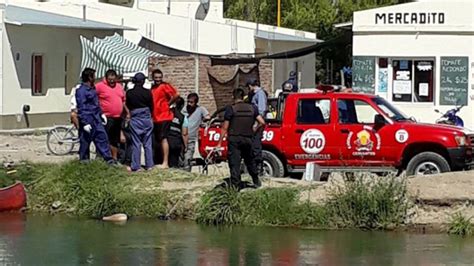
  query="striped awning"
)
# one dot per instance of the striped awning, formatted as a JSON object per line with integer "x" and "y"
{"x": 114, "y": 52}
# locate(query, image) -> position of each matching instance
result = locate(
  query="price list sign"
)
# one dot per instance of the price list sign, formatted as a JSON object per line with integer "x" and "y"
{"x": 363, "y": 74}
{"x": 454, "y": 80}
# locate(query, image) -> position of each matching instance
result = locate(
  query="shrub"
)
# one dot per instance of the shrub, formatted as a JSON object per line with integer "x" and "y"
{"x": 379, "y": 203}
{"x": 219, "y": 206}
{"x": 460, "y": 225}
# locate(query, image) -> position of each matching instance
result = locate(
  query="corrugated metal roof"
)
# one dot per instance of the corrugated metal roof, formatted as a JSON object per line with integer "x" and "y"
{"x": 273, "y": 36}
{"x": 25, "y": 16}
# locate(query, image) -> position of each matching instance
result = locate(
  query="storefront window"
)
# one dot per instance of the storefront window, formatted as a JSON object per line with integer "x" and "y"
{"x": 424, "y": 81}
{"x": 413, "y": 80}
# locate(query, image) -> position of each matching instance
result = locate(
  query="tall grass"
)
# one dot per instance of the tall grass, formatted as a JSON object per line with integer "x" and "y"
{"x": 96, "y": 190}
{"x": 279, "y": 207}
{"x": 93, "y": 190}
{"x": 460, "y": 225}
{"x": 220, "y": 206}
{"x": 364, "y": 203}
{"x": 369, "y": 202}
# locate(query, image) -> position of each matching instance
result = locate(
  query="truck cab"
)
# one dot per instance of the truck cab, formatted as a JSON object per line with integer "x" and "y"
{"x": 352, "y": 132}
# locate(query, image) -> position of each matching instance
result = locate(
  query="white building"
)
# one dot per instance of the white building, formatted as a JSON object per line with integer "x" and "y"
{"x": 57, "y": 44}
{"x": 418, "y": 55}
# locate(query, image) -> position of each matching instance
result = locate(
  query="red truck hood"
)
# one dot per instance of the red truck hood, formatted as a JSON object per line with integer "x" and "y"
{"x": 426, "y": 127}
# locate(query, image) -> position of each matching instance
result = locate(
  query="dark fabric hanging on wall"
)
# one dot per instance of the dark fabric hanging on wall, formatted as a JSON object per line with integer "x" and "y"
{"x": 222, "y": 90}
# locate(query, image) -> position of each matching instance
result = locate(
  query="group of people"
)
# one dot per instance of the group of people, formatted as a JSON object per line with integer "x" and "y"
{"x": 155, "y": 119}
{"x": 118, "y": 120}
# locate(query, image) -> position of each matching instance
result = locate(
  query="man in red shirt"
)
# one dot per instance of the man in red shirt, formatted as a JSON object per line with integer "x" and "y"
{"x": 164, "y": 95}
{"x": 112, "y": 102}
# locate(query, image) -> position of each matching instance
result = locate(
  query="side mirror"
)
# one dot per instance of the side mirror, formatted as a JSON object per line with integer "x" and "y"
{"x": 436, "y": 110}
{"x": 379, "y": 120}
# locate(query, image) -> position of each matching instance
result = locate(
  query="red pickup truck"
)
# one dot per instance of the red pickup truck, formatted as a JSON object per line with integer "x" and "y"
{"x": 351, "y": 132}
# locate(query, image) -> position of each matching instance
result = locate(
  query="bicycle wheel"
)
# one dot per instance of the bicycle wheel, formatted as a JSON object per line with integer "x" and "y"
{"x": 60, "y": 140}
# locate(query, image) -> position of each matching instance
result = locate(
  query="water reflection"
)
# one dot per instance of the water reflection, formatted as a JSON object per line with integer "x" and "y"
{"x": 59, "y": 240}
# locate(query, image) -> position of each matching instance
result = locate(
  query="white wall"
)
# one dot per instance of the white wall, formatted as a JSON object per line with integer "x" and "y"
{"x": 184, "y": 8}
{"x": 53, "y": 43}
{"x": 458, "y": 16}
{"x": 208, "y": 37}
{"x": 453, "y": 38}
{"x": 282, "y": 67}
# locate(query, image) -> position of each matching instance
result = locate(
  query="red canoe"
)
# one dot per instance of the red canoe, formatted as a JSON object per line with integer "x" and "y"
{"x": 12, "y": 198}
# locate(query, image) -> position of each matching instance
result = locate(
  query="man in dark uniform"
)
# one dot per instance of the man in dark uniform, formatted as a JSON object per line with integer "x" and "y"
{"x": 91, "y": 119}
{"x": 239, "y": 120}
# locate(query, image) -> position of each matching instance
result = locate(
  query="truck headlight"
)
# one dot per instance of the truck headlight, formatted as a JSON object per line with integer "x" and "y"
{"x": 461, "y": 140}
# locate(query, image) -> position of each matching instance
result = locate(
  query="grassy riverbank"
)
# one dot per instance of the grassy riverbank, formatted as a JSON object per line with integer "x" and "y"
{"x": 96, "y": 190}
{"x": 364, "y": 203}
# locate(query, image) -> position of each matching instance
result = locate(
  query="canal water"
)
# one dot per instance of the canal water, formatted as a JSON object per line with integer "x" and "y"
{"x": 60, "y": 240}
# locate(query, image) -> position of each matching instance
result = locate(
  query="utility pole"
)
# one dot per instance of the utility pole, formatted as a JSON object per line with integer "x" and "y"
{"x": 279, "y": 13}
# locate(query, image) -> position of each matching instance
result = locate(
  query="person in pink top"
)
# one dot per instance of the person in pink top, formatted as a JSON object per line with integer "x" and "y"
{"x": 112, "y": 102}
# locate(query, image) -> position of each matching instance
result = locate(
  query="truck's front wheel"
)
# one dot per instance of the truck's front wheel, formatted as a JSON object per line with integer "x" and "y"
{"x": 427, "y": 163}
{"x": 272, "y": 165}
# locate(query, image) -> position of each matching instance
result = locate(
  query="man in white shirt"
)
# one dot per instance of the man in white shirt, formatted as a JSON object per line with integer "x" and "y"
{"x": 196, "y": 115}
{"x": 73, "y": 108}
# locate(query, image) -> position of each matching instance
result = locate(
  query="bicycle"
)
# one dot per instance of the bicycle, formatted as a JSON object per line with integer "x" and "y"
{"x": 62, "y": 139}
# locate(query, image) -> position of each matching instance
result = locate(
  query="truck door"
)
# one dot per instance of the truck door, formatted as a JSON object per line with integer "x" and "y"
{"x": 308, "y": 133}
{"x": 360, "y": 143}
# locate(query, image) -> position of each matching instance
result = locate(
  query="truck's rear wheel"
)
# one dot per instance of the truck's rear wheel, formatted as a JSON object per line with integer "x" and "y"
{"x": 272, "y": 165}
{"x": 427, "y": 163}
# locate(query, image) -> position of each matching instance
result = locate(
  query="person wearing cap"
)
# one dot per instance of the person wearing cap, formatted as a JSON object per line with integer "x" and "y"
{"x": 140, "y": 103}
{"x": 291, "y": 80}
{"x": 91, "y": 120}
{"x": 259, "y": 99}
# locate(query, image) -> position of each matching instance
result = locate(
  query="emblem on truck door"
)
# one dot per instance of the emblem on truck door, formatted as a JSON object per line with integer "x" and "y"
{"x": 312, "y": 141}
{"x": 364, "y": 141}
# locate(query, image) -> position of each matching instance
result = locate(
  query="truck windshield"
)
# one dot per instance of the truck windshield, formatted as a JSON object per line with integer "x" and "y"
{"x": 389, "y": 109}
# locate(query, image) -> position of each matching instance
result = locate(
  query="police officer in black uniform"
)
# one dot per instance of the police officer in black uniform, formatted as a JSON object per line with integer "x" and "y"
{"x": 239, "y": 120}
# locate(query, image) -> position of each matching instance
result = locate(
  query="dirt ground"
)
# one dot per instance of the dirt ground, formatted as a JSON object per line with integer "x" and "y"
{"x": 437, "y": 197}
{"x": 15, "y": 148}
{"x": 28, "y": 147}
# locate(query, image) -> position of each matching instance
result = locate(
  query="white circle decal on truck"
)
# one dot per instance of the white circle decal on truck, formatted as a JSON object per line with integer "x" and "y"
{"x": 312, "y": 141}
{"x": 401, "y": 136}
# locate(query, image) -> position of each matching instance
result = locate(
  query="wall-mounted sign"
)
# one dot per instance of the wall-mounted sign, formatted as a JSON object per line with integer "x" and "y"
{"x": 454, "y": 83}
{"x": 409, "y": 18}
{"x": 363, "y": 74}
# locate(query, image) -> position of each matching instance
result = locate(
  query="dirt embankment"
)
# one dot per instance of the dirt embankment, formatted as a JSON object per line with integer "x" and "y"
{"x": 436, "y": 198}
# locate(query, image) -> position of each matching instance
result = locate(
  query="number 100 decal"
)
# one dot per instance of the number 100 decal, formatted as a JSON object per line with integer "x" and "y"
{"x": 312, "y": 141}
